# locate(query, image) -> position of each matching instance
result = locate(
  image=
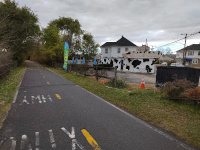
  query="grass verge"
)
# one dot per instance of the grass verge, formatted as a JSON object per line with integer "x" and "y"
{"x": 8, "y": 87}
{"x": 180, "y": 118}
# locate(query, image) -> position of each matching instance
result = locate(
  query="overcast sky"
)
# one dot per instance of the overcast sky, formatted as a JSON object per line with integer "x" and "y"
{"x": 158, "y": 21}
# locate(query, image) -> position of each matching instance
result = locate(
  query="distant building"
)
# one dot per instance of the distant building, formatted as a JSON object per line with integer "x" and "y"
{"x": 127, "y": 56}
{"x": 192, "y": 56}
{"x": 167, "y": 58}
{"x": 143, "y": 48}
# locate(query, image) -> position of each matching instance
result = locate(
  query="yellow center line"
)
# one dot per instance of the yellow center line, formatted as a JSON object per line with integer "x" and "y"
{"x": 90, "y": 139}
{"x": 58, "y": 96}
{"x": 48, "y": 83}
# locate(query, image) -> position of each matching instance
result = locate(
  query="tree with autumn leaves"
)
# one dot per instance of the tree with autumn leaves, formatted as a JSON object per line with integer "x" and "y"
{"x": 18, "y": 30}
{"x": 57, "y": 33}
{"x": 21, "y": 35}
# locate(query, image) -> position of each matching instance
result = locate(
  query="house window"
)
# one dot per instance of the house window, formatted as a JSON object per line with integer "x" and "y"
{"x": 198, "y": 52}
{"x": 190, "y": 53}
{"x": 106, "y": 51}
{"x": 118, "y": 51}
{"x": 195, "y": 61}
{"x": 126, "y": 49}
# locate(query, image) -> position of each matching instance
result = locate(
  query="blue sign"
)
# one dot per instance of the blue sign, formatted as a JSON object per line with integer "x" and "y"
{"x": 83, "y": 61}
{"x": 95, "y": 61}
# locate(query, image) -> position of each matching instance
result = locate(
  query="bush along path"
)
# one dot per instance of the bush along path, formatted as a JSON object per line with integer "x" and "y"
{"x": 8, "y": 87}
{"x": 178, "y": 117}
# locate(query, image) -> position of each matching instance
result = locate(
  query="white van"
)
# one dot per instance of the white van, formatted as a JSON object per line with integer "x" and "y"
{"x": 177, "y": 64}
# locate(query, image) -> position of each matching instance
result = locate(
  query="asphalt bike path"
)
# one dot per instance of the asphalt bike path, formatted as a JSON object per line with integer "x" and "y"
{"x": 51, "y": 112}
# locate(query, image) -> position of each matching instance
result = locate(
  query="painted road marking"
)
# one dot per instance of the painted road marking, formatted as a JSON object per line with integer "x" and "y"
{"x": 90, "y": 139}
{"x": 44, "y": 99}
{"x": 24, "y": 101}
{"x": 35, "y": 98}
{"x": 13, "y": 144}
{"x": 72, "y": 136}
{"x": 58, "y": 96}
{"x": 48, "y": 83}
{"x": 50, "y": 98}
{"x": 39, "y": 98}
{"x": 25, "y": 142}
{"x": 74, "y": 143}
{"x": 52, "y": 140}
{"x": 37, "y": 140}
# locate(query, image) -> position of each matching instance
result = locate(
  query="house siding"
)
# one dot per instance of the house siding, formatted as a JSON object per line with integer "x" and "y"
{"x": 195, "y": 65}
{"x": 191, "y": 54}
{"x": 113, "y": 51}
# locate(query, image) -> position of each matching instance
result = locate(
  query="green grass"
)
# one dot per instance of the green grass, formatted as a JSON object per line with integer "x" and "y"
{"x": 8, "y": 87}
{"x": 178, "y": 117}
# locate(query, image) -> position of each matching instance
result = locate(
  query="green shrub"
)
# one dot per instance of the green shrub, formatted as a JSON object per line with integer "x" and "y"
{"x": 117, "y": 83}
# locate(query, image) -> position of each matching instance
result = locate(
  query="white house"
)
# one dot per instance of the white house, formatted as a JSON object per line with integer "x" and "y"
{"x": 126, "y": 56}
{"x": 192, "y": 55}
{"x": 116, "y": 49}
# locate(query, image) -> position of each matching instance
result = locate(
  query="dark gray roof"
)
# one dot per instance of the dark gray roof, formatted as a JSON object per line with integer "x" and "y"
{"x": 108, "y": 44}
{"x": 192, "y": 47}
{"x": 121, "y": 42}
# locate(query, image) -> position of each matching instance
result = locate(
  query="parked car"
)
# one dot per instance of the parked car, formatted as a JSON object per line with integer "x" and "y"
{"x": 177, "y": 64}
{"x": 164, "y": 63}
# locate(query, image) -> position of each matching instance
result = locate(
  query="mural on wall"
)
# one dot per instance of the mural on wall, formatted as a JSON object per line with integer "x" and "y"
{"x": 142, "y": 65}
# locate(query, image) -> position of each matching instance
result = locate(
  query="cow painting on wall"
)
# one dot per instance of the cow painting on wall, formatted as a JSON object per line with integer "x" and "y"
{"x": 132, "y": 65}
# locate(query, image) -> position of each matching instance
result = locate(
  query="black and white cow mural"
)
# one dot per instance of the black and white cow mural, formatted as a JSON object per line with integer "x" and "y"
{"x": 141, "y": 65}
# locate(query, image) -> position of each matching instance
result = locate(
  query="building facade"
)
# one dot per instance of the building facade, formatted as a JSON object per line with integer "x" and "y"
{"x": 191, "y": 55}
{"x": 116, "y": 49}
{"x": 127, "y": 56}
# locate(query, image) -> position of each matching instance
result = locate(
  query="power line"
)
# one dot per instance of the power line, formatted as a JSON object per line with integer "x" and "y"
{"x": 179, "y": 39}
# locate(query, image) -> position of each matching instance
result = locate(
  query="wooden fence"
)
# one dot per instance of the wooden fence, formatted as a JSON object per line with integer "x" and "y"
{"x": 97, "y": 71}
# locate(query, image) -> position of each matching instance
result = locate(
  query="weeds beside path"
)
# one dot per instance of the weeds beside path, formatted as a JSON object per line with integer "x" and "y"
{"x": 179, "y": 118}
{"x": 8, "y": 87}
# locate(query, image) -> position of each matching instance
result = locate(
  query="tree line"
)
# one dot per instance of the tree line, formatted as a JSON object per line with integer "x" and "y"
{"x": 21, "y": 36}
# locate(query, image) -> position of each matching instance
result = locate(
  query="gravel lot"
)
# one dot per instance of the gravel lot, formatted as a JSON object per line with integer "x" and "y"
{"x": 130, "y": 77}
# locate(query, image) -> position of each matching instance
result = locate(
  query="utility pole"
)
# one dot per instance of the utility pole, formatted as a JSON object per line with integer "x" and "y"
{"x": 146, "y": 45}
{"x": 185, "y": 49}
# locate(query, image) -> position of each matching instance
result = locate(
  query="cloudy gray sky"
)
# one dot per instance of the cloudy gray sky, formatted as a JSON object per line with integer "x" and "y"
{"x": 158, "y": 21}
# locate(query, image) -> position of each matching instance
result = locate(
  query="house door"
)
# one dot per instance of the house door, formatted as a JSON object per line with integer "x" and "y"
{"x": 122, "y": 63}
